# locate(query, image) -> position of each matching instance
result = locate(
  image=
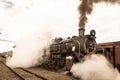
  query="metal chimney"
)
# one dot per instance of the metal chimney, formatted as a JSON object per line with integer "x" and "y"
{"x": 81, "y": 32}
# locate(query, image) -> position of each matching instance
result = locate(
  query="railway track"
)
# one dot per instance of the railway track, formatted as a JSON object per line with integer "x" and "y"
{"x": 23, "y": 74}
{"x": 8, "y": 73}
{"x": 37, "y": 73}
{"x": 27, "y": 75}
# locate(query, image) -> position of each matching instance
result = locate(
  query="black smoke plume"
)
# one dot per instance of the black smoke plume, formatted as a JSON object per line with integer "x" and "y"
{"x": 86, "y": 7}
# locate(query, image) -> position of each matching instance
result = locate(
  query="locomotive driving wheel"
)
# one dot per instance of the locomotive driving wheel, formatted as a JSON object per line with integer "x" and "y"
{"x": 51, "y": 64}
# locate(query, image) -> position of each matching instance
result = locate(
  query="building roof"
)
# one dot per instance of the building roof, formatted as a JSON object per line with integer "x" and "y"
{"x": 117, "y": 43}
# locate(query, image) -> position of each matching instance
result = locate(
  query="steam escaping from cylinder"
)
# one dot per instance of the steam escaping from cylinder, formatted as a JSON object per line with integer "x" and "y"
{"x": 30, "y": 51}
{"x": 86, "y": 8}
{"x": 95, "y": 67}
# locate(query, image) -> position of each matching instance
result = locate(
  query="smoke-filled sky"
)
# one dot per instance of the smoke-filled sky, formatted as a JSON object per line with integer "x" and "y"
{"x": 20, "y": 19}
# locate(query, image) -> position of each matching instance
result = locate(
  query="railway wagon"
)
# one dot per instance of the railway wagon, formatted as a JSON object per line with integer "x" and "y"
{"x": 111, "y": 51}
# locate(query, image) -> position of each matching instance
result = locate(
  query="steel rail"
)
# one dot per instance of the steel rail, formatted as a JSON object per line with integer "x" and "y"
{"x": 13, "y": 71}
{"x": 22, "y": 78}
{"x": 34, "y": 74}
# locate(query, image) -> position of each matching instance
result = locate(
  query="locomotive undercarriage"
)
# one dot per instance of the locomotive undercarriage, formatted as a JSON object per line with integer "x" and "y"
{"x": 55, "y": 63}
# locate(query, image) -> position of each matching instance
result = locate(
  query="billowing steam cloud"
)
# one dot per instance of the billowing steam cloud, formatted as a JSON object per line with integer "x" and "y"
{"x": 30, "y": 51}
{"x": 86, "y": 7}
{"x": 95, "y": 67}
{"x": 32, "y": 24}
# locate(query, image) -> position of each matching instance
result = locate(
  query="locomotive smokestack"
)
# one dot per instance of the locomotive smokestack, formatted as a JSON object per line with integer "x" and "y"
{"x": 81, "y": 32}
{"x": 82, "y": 8}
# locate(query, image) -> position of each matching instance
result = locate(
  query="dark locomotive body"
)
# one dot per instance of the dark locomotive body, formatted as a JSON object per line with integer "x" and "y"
{"x": 65, "y": 52}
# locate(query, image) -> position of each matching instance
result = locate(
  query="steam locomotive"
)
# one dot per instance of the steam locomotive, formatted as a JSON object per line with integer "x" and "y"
{"x": 65, "y": 52}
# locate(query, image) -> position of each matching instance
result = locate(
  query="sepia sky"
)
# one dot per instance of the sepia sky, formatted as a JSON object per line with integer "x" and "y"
{"x": 22, "y": 18}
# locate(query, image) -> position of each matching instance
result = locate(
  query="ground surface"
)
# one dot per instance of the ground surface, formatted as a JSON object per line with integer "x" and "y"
{"x": 6, "y": 74}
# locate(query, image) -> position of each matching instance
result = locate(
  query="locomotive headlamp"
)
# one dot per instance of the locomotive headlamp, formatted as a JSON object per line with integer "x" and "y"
{"x": 92, "y": 32}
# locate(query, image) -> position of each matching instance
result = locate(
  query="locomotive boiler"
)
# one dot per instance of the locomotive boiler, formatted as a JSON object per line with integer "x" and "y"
{"x": 65, "y": 52}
